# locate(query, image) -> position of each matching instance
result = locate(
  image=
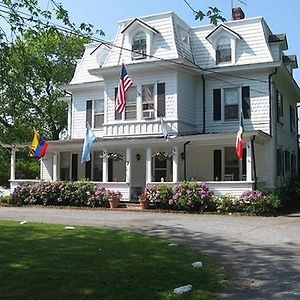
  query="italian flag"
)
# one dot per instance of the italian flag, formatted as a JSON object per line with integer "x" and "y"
{"x": 239, "y": 139}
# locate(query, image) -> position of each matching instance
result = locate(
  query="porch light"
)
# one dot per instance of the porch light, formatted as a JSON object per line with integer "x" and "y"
{"x": 138, "y": 156}
{"x": 182, "y": 155}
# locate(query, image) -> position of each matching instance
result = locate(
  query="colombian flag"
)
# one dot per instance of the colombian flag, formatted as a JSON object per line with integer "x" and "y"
{"x": 38, "y": 146}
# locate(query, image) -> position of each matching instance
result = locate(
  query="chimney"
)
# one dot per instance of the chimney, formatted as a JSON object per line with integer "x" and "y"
{"x": 237, "y": 13}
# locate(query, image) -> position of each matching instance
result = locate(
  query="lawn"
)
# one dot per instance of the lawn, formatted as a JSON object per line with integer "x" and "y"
{"x": 41, "y": 262}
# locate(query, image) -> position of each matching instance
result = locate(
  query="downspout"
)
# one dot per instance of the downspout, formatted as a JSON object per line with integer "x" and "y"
{"x": 184, "y": 161}
{"x": 203, "y": 103}
{"x": 253, "y": 161}
{"x": 270, "y": 98}
{"x": 71, "y": 111}
{"x": 273, "y": 131}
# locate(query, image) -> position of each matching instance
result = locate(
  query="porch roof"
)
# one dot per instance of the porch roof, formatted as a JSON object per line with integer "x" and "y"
{"x": 201, "y": 139}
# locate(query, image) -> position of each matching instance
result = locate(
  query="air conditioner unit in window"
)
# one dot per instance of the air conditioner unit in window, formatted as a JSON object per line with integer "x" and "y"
{"x": 148, "y": 114}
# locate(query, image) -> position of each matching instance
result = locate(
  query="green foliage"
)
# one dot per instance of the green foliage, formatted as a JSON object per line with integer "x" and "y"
{"x": 159, "y": 195}
{"x": 212, "y": 13}
{"x": 291, "y": 194}
{"x": 6, "y": 199}
{"x": 82, "y": 193}
{"x": 225, "y": 203}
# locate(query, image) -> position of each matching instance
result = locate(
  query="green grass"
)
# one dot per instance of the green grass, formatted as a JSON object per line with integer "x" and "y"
{"x": 40, "y": 261}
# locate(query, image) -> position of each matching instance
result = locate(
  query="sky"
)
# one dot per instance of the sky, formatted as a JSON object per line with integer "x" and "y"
{"x": 281, "y": 15}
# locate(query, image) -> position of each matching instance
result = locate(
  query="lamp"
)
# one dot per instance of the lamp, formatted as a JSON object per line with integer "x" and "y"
{"x": 138, "y": 156}
{"x": 182, "y": 155}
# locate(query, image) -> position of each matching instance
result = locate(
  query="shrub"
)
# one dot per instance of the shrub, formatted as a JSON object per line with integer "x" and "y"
{"x": 82, "y": 193}
{"x": 6, "y": 199}
{"x": 159, "y": 195}
{"x": 225, "y": 204}
{"x": 195, "y": 196}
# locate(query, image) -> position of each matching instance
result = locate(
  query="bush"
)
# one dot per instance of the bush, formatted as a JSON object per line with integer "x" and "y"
{"x": 225, "y": 204}
{"x": 82, "y": 193}
{"x": 159, "y": 195}
{"x": 195, "y": 196}
{"x": 6, "y": 199}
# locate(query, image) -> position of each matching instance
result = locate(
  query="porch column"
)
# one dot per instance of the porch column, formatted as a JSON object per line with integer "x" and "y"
{"x": 105, "y": 166}
{"x": 248, "y": 162}
{"x": 13, "y": 164}
{"x": 128, "y": 165}
{"x": 54, "y": 177}
{"x": 175, "y": 164}
{"x": 148, "y": 165}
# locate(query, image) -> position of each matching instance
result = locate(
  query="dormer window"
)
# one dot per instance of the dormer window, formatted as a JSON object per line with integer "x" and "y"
{"x": 223, "y": 50}
{"x": 139, "y": 45}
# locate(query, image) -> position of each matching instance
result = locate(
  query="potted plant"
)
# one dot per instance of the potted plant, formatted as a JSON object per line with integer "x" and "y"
{"x": 144, "y": 201}
{"x": 113, "y": 198}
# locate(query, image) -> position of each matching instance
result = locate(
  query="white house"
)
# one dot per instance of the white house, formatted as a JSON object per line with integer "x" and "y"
{"x": 193, "y": 82}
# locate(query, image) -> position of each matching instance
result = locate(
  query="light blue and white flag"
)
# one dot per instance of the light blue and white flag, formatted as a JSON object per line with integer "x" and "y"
{"x": 166, "y": 130}
{"x": 87, "y": 146}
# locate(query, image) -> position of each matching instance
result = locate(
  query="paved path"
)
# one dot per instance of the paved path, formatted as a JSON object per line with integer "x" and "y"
{"x": 261, "y": 255}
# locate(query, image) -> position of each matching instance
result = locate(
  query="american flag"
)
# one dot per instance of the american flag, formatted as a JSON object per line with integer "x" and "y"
{"x": 124, "y": 84}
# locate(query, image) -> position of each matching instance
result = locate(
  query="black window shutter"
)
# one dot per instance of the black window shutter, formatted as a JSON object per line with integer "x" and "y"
{"x": 118, "y": 116}
{"x": 89, "y": 112}
{"x": 246, "y": 102}
{"x": 217, "y": 165}
{"x": 161, "y": 99}
{"x": 217, "y": 104}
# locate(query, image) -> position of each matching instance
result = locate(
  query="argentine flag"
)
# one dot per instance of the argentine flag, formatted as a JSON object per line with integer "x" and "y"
{"x": 87, "y": 146}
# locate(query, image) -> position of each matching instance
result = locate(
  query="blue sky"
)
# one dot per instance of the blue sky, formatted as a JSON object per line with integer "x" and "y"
{"x": 282, "y": 16}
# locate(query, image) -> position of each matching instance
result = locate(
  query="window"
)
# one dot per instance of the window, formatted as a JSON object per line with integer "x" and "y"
{"x": 287, "y": 161}
{"x": 139, "y": 45}
{"x": 148, "y": 100}
{"x": 223, "y": 50}
{"x": 279, "y": 101}
{"x": 292, "y": 119}
{"x": 231, "y": 164}
{"x": 130, "y": 108}
{"x": 97, "y": 166}
{"x": 160, "y": 169}
{"x": 98, "y": 113}
{"x": 293, "y": 164}
{"x": 231, "y": 104}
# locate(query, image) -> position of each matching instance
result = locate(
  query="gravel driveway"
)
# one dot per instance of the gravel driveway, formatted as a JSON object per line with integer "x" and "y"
{"x": 261, "y": 255}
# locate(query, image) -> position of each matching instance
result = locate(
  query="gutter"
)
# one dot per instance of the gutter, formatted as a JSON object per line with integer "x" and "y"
{"x": 270, "y": 98}
{"x": 203, "y": 102}
{"x": 71, "y": 112}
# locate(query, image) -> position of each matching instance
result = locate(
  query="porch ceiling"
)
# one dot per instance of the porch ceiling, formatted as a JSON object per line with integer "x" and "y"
{"x": 201, "y": 139}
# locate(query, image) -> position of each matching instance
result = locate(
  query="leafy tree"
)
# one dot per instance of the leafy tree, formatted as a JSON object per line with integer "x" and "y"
{"x": 36, "y": 65}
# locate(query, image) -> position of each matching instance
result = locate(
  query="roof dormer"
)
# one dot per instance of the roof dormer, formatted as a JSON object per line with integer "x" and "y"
{"x": 224, "y": 40}
{"x": 140, "y": 36}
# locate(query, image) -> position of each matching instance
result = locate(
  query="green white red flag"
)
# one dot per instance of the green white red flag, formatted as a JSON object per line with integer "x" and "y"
{"x": 239, "y": 139}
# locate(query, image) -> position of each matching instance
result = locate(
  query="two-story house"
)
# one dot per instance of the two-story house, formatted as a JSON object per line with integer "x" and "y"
{"x": 192, "y": 83}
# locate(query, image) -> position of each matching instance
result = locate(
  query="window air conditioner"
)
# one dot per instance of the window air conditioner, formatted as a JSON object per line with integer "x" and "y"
{"x": 148, "y": 114}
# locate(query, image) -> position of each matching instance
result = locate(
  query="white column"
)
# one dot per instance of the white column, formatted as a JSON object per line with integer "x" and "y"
{"x": 148, "y": 165}
{"x": 128, "y": 165}
{"x": 248, "y": 162}
{"x": 175, "y": 164}
{"x": 13, "y": 164}
{"x": 54, "y": 177}
{"x": 105, "y": 166}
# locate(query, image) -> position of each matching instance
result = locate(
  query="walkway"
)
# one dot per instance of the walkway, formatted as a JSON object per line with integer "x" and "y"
{"x": 261, "y": 255}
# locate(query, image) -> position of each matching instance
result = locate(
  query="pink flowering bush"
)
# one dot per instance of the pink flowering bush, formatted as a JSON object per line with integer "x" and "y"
{"x": 194, "y": 196}
{"x": 159, "y": 195}
{"x": 82, "y": 193}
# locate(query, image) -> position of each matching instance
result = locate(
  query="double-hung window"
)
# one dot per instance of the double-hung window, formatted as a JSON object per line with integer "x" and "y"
{"x": 130, "y": 108}
{"x": 98, "y": 113}
{"x": 231, "y": 104}
{"x": 139, "y": 45}
{"x": 148, "y": 100}
{"x": 223, "y": 50}
{"x": 279, "y": 100}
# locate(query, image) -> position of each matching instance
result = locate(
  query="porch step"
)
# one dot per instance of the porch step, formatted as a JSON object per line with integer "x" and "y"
{"x": 129, "y": 205}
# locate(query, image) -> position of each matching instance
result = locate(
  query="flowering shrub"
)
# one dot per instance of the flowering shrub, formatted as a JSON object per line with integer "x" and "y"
{"x": 82, "y": 193}
{"x": 115, "y": 195}
{"x": 191, "y": 196}
{"x": 159, "y": 195}
{"x": 225, "y": 203}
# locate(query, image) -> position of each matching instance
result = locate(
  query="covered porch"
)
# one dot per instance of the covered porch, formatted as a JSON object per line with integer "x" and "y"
{"x": 127, "y": 165}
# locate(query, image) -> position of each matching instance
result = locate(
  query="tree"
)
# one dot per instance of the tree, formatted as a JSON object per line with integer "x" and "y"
{"x": 35, "y": 67}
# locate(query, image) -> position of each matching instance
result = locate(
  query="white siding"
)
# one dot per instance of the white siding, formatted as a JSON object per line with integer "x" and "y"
{"x": 46, "y": 166}
{"x": 259, "y": 97}
{"x": 252, "y": 48}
